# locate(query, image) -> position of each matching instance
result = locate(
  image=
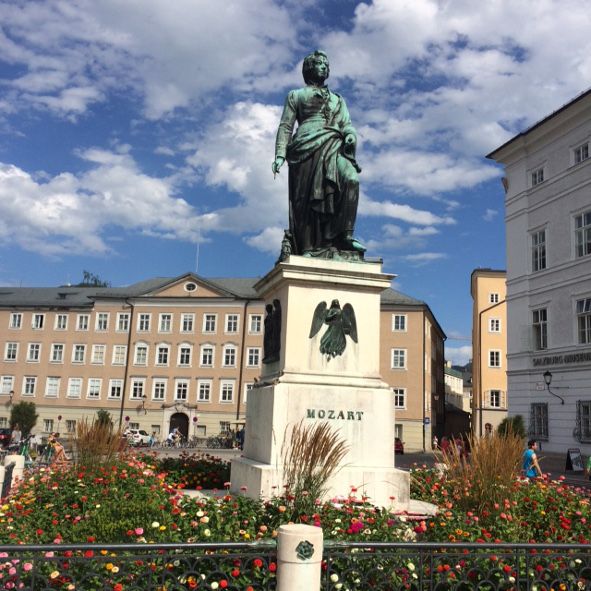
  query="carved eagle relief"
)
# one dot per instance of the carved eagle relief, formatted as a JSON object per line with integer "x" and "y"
{"x": 341, "y": 322}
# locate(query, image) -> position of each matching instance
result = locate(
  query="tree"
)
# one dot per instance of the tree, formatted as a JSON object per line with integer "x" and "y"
{"x": 103, "y": 417}
{"x": 91, "y": 280}
{"x": 25, "y": 415}
{"x": 514, "y": 425}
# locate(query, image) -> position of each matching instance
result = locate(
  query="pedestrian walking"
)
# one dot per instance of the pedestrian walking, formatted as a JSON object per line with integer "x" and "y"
{"x": 588, "y": 468}
{"x": 531, "y": 467}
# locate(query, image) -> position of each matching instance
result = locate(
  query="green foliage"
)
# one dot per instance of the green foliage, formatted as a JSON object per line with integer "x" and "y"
{"x": 25, "y": 415}
{"x": 193, "y": 470}
{"x": 91, "y": 280}
{"x": 514, "y": 425}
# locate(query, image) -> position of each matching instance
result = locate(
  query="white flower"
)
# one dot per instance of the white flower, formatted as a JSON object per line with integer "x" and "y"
{"x": 410, "y": 566}
{"x": 334, "y": 577}
{"x": 214, "y": 585}
{"x": 207, "y": 533}
{"x": 155, "y": 524}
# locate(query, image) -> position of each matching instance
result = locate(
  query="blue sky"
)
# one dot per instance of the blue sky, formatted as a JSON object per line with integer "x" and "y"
{"x": 135, "y": 134}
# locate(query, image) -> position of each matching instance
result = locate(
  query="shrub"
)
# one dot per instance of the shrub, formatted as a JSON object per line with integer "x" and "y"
{"x": 25, "y": 415}
{"x": 513, "y": 425}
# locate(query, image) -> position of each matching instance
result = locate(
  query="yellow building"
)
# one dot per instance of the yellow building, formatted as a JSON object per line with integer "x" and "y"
{"x": 180, "y": 352}
{"x": 489, "y": 349}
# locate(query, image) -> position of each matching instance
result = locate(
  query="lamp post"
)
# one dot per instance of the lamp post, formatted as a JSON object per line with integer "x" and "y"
{"x": 548, "y": 381}
{"x": 59, "y": 420}
{"x": 10, "y": 397}
{"x": 144, "y": 404}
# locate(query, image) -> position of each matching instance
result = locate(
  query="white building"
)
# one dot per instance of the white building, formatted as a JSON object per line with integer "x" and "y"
{"x": 548, "y": 224}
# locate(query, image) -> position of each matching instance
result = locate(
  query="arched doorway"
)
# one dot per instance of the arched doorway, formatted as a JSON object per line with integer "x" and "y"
{"x": 180, "y": 421}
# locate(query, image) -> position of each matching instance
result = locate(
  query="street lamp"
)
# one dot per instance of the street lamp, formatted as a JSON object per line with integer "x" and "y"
{"x": 10, "y": 397}
{"x": 59, "y": 420}
{"x": 548, "y": 381}
{"x": 144, "y": 404}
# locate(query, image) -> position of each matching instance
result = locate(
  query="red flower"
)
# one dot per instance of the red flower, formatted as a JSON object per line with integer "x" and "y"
{"x": 117, "y": 587}
{"x": 88, "y": 554}
{"x": 223, "y": 583}
{"x": 235, "y": 572}
{"x": 257, "y": 563}
{"x": 272, "y": 567}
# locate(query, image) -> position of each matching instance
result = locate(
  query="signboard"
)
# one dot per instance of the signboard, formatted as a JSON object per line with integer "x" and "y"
{"x": 574, "y": 460}
{"x": 426, "y": 421}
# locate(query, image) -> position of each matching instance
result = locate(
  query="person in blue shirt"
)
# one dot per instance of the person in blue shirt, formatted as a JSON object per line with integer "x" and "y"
{"x": 531, "y": 468}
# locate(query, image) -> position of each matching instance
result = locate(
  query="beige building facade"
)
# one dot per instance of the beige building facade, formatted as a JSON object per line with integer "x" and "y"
{"x": 489, "y": 349}
{"x": 181, "y": 352}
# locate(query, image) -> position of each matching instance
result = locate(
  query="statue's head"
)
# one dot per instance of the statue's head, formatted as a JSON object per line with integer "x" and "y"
{"x": 310, "y": 63}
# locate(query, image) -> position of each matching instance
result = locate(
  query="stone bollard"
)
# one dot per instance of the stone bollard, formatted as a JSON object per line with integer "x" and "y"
{"x": 299, "y": 557}
{"x": 2, "y": 473}
{"x": 19, "y": 466}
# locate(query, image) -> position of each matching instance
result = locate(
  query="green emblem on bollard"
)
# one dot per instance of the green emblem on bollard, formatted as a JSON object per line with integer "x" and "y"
{"x": 305, "y": 550}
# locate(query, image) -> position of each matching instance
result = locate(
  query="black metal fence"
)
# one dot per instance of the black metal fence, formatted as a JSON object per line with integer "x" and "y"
{"x": 360, "y": 566}
{"x": 458, "y": 567}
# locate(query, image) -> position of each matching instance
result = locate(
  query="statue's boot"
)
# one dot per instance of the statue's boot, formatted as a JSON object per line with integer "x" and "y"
{"x": 351, "y": 244}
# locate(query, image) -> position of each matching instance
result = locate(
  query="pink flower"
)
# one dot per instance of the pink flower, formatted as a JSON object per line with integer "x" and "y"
{"x": 139, "y": 531}
{"x": 27, "y": 566}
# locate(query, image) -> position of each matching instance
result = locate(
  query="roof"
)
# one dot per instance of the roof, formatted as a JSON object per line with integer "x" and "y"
{"x": 391, "y": 296}
{"x": 541, "y": 122}
{"x": 453, "y": 372}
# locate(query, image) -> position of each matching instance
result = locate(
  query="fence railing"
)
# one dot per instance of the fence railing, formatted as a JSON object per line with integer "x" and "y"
{"x": 358, "y": 566}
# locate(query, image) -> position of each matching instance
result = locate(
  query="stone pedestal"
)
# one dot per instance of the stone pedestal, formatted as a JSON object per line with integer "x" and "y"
{"x": 346, "y": 391}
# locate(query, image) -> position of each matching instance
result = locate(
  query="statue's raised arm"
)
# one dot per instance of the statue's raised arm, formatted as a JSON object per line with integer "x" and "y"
{"x": 323, "y": 182}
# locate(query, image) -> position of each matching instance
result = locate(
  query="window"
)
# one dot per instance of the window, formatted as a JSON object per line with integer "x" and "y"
{"x": 538, "y": 250}
{"x": 162, "y": 354}
{"x": 98, "y": 354}
{"x": 224, "y": 426}
{"x": 494, "y": 358}
{"x": 29, "y": 384}
{"x": 583, "y": 234}
{"x": 57, "y": 353}
{"x": 119, "y": 354}
{"x": 165, "y": 323}
{"x": 181, "y": 390}
{"x": 141, "y": 354}
{"x": 94, "y": 388}
{"x": 494, "y": 325}
{"x": 190, "y": 286}
{"x": 38, "y": 321}
{"x": 254, "y": 356}
{"x": 229, "y": 356}
{"x": 159, "y": 389}
{"x": 48, "y": 425}
{"x": 206, "y": 356}
{"x": 74, "y": 387}
{"x": 115, "y": 388}
{"x": 61, "y": 322}
{"x": 122, "y": 321}
{"x": 496, "y": 399}
{"x": 143, "y": 323}
{"x": 187, "y": 322}
{"x": 398, "y": 358}
{"x": 493, "y": 298}
{"x": 102, "y": 321}
{"x": 16, "y": 320}
{"x": 399, "y": 397}
{"x": 209, "y": 322}
{"x": 583, "y": 426}
{"x": 185, "y": 355}
{"x": 137, "y": 388}
{"x": 537, "y": 176}
{"x": 52, "y": 387}
{"x": 11, "y": 352}
{"x": 231, "y": 323}
{"x": 255, "y": 324}
{"x": 540, "y": 328}
{"x": 34, "y": 352}
{"x": 204, "y": 391}
{"x": 6, "y": 384}
{"x": 538, "y": 421}
{"x": 70, "y": 426}
{"x": 399, "y": 322}
{"x": 82, "y": 321}
{"x": 247, "y": 389}
{"x": 226, "y": 391}
{"x": 78, "y": 353}
{"x": 581, "y": 152}
{"x": 584, "y": 320}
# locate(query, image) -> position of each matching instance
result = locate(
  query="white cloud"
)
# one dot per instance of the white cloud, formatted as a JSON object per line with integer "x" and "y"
{"x": 459, "y": 355}
{"x": 70, "y": 213}
{"x": 406, "y": 213}
{"x": 490, "y": 215}
{"x": 424, "y": 258}
{"x": 269, "y": 240}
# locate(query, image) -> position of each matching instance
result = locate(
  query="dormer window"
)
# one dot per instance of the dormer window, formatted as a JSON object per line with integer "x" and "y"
{"x": 190, "y": 286}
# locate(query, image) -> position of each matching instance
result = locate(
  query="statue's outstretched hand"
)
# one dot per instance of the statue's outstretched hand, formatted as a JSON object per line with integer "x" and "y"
{"x": 277, "y": 164}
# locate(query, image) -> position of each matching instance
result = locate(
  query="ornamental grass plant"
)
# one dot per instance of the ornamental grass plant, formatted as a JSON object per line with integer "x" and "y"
{"x": 485, "y": 475}
{"x": 311, "y": 455}
{"x": 96, "y": 443}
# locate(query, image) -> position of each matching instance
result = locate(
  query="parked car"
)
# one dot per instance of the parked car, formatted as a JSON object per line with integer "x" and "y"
{"x": 137, "y": 437}
{"x": 398, "y": 446}
{"x": 4, "y": 437}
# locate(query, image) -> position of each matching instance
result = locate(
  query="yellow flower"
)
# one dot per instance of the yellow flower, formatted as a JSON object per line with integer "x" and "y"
{"x": 162, "y": 528}
{"x": 115, "y": 569}
{"x": 54, "y": 575}
{"x": 109, "y": 565}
